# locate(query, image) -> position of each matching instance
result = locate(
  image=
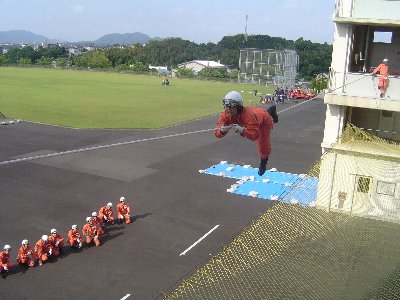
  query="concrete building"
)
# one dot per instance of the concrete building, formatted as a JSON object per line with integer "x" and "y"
{"x": 198, "y": 65}
{"x": 161, "y": 70}
{"x": 363, "y": 178}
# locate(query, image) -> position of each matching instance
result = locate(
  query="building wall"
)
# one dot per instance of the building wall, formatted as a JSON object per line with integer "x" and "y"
{"x": 376, "y": 9}
{"x": 334, "y": 124}
{"x": 342, "y": 185}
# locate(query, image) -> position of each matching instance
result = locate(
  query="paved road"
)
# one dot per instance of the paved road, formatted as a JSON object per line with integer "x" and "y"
{"x": 175, "y": 204}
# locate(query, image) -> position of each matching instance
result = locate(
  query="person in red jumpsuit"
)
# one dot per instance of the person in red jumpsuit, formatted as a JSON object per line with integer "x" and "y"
{"x": 74, "y": 237}
{"x": 107, "y": 214}
{"x": 123, "y": 211}
{"x": 383, "y": 70}
{"x": 57, "y": 241}
{"x": 98, "y": 223}
{"x": 89, "y": 231}
{"x": 5, "y": 264}
{"x": 44, "y": 249}
{"x": 26, "y": 255}
{"x": 250, "y": 122}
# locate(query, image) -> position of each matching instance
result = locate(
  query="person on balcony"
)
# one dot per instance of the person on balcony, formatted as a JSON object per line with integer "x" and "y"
{"x": 383, "y": 70}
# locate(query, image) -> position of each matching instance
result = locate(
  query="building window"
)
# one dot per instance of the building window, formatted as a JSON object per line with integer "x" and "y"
{"x": 363, "y": 184}
{"x": 382, "y": 37}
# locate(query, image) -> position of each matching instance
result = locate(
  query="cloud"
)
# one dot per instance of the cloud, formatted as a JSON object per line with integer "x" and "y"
{"x": 78, "y": 8}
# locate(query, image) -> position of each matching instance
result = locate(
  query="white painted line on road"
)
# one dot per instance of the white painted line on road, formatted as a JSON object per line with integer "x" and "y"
{"x": 199, "y": 240}
{"x": 126, "y": 296}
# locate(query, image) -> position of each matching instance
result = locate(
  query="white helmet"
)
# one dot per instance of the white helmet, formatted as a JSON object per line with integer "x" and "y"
{"x": 121, "y": 199}
{"x": 232, "y": 99}
{"x": 45, "y": 237}
{"x": 25, "y": 242}
{"x": 88, "y": 219}
{"x": 53, "y": 230}
{"x": 94, "y": 214}
{"x": 385, "y": 60}
{"x": 74, "y": 227}
{"x": 109, "y": 204}
{"x": 7, "y": 247}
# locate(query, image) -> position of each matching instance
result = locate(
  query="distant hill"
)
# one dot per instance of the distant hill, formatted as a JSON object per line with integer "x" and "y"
{"x": 21, "y": 36}
{"x": 124, "y": 39}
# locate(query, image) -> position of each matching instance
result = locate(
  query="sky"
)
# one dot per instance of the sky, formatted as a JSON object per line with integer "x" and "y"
{"x": 197, "y": 21}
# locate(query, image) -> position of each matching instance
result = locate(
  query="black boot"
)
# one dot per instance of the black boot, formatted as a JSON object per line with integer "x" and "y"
{"x": 272, "y": 112}
{"x": 263, "y": 166}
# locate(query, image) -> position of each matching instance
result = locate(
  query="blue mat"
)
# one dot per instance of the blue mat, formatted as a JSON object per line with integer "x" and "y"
{"x": 273, "y": 185}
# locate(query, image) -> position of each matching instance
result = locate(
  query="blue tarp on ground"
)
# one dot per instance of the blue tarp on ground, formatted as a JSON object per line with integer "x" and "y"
{"x": 273, "y": 185}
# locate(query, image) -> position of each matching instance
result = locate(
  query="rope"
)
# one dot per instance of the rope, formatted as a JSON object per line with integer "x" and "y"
{"x": 30, "y": 158}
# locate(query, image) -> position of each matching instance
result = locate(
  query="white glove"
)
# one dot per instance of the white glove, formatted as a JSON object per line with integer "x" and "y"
{"x": 5, "y": 268}
{"x": 40, "y": 263}
{"x": 225, "y": 128}
{"x": 80, "y": 245}
{"x": 50, "y": 251}
{"x": 237, "y": 128}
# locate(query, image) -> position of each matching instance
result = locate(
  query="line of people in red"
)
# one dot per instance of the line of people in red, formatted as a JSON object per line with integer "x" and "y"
{"x": 52, "y": 246}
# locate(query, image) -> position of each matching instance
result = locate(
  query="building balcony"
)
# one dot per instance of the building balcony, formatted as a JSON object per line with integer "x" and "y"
{"x": 372, "y": 12}
{"x": 361, "y": 90}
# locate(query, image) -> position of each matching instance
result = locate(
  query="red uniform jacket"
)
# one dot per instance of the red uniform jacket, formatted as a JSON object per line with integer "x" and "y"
{"x": 123, "y": 209}
{"x": 42, "y": 248}
{"x": 258, "y": 124}
{"x": 383, "y": 70}
{"x": 89, "y": 230}
{"x": 4, "y": 259}
{"x": 74, "y": 235}
{"x": 106, "y": 211}
{"x": 23, "y": 253}
{"x": 53, "y": 240}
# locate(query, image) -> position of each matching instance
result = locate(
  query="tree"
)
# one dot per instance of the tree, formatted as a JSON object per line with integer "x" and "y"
{"x": 44, "y": 61}
{"x": 92, "y": 59}
{"x": 3, "y": 59}
{"x": 25, "y": 61}
{"x": 140, "y": 67}
{"x": 183, "y": 71}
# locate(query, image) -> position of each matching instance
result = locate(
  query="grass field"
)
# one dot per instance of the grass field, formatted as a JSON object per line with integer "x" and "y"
{"x": 89, "y": 99}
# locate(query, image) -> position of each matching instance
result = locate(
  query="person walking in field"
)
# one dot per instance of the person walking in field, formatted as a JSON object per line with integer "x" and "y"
{"x": 383, "y": 70}
{"x": 250, "y": 122}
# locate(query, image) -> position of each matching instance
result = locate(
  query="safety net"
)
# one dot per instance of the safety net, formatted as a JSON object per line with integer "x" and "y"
{"x": 346, "y": 246}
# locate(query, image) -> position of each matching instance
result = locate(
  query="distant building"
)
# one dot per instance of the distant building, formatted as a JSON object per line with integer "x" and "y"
{"x": 198, "y": 65}
{"x": 160, "y": 70}
{"x": 74, "y": 51}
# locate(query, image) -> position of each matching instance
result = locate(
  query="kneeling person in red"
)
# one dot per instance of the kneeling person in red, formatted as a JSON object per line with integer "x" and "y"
{"x": 123, "y": 211}
{"x": 57, "y": 241}
{"x": 74, "y": 237}
{"x": 44, "y": 249}
{"x": 26, "y": 255}
{"x": 5, "y": 264}
{"x": 107, "y": 214}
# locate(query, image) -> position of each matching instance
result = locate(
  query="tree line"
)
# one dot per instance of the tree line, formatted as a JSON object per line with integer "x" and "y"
{"x": 315, "y": 58}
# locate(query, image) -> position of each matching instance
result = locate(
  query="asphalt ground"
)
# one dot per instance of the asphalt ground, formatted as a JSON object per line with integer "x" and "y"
{"x": 173, "y": 203}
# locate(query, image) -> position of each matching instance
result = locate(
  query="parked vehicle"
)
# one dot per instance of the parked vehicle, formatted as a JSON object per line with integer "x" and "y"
{"x": 301, "y": 93}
